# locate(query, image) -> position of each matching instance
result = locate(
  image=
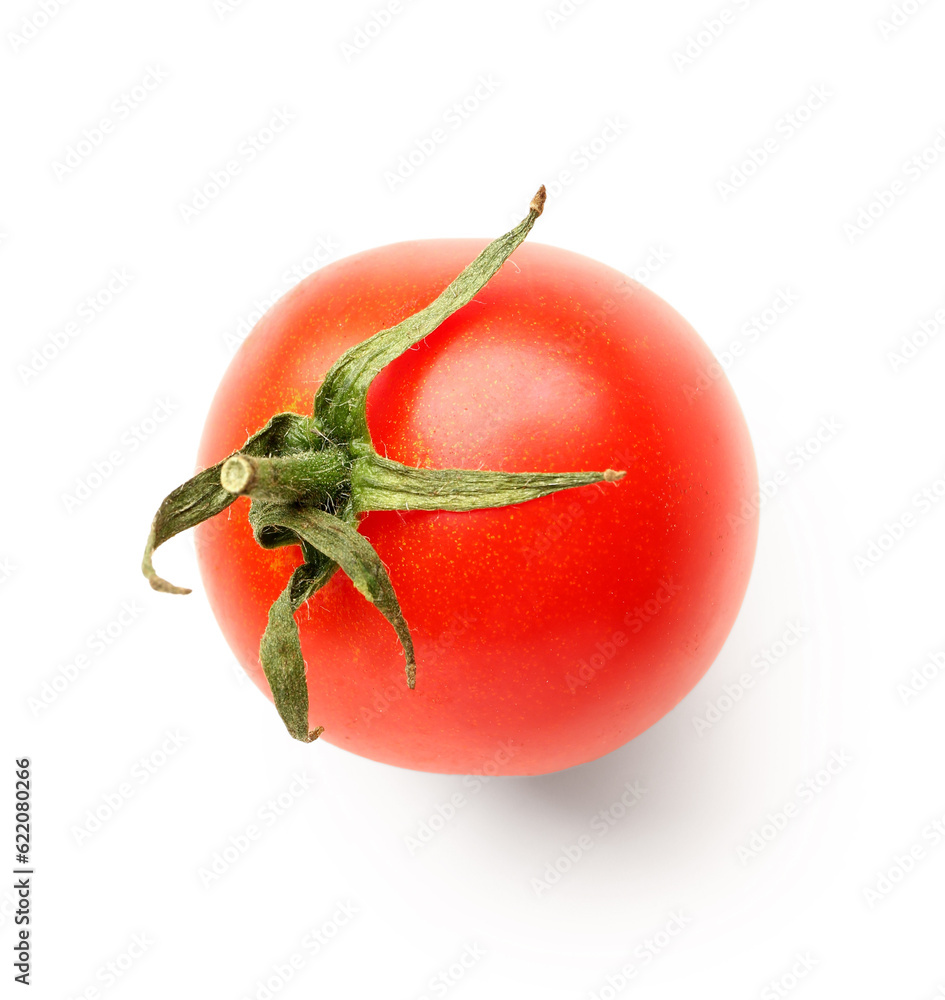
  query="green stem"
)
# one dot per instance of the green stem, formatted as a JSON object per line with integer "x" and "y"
{"x": 312, "y": 476}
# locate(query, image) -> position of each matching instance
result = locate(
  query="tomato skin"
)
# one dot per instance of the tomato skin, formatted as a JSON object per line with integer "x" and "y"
{"x": 549, "y": 633}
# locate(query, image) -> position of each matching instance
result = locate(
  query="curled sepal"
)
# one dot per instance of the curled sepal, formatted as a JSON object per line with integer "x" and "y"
{"x": 340, "y": 401}
{"x": 188, "y": 505}
{"x": 203, "y": 496}
{"x": 341, "y": 543}
{"x": 280, "y": 652}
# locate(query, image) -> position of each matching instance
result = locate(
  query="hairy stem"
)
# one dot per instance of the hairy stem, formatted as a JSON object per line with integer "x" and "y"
{"x": 309, "y": 476}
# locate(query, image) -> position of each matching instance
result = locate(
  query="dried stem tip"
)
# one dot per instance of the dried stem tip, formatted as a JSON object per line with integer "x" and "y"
{"x": 237, "y": 474}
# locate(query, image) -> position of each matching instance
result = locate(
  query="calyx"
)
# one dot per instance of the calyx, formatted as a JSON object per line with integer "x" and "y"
{"x": 311, "y": 477}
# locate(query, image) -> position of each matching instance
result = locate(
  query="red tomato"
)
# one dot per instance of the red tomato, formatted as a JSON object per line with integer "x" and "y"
{"x": 547, "y": 633}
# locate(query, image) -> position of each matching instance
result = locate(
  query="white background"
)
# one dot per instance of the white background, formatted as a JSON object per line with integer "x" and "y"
{"x": 829, "y": 363}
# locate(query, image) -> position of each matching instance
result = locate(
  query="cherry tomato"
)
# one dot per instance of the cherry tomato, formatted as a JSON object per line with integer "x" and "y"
{"x": 549, "y": 633}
